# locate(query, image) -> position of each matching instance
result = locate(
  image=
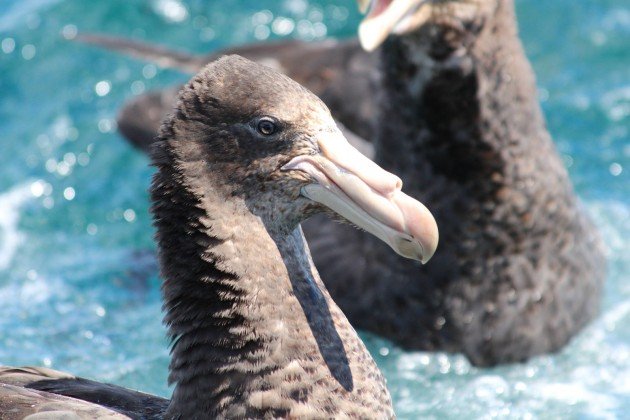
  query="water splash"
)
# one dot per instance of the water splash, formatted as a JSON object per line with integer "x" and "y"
{"x": 10, "y": 237}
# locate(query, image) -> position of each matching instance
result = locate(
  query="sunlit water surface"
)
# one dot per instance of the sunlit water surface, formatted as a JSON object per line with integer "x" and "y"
{"x": 74, "y": 208}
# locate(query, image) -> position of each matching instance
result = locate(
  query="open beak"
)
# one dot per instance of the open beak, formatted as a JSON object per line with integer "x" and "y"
{"x": 389, "y": 16}
{"x": 362, "y": 192}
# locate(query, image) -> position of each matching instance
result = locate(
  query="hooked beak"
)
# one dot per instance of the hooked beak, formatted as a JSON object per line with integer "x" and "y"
{"x": 362, "y": 192}
{"x": 389, "y": 16}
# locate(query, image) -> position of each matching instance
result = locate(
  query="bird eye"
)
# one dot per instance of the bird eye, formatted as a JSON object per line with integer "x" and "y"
{"x": 266, "y": 127}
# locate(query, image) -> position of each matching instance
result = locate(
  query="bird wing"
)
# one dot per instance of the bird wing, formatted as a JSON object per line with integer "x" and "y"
{"x": 30, "y": 390}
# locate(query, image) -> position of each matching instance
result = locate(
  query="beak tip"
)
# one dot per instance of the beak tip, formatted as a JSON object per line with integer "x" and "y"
{"x": 430, "y": 245}
{"x": 426, "y": 257}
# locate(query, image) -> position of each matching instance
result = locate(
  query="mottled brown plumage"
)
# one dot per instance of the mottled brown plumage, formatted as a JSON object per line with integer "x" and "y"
{"x": 255, "y": 333}
{"x": 55, "y": 395}
{"x": 250, "y": 261}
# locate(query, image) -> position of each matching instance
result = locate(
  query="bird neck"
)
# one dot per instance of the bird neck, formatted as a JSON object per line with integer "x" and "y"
{"x": 462, "y": 102}
{"x": 254, "y": 330}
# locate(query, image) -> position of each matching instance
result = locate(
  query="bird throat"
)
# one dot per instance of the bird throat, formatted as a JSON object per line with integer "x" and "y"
{"x": 248, "y": 314}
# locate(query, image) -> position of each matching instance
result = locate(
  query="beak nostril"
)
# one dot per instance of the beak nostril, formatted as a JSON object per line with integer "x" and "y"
{"x": 392, "y": 185}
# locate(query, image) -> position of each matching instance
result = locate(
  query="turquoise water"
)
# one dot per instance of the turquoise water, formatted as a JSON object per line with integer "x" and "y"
{"x": 74, "y": 214}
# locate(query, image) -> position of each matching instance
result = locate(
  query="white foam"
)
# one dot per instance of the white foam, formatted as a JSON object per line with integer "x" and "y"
{"x": 617, "y": 314}
{"x": 616, "y": 103}
{"x": 10, "y": 237}
{"x": 596, "y": 404}
{"x": 612, "y": 218}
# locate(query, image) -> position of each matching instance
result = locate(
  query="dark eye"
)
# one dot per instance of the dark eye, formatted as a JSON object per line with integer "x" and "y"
{"x": 266, "y": 126}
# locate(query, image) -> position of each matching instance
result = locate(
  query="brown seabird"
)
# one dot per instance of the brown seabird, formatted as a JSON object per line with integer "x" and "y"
{"x": 247, "y": 156}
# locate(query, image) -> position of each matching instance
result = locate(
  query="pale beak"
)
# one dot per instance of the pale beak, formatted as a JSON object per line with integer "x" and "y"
{"x": 389, "y": 16}
{"x": 363, "y": 193}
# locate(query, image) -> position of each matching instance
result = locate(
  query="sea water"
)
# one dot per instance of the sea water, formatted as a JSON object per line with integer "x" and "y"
{"x": 74, "y": 222}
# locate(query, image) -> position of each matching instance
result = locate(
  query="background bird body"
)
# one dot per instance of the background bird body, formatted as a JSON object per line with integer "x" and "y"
{"x": 521, "y": 267}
